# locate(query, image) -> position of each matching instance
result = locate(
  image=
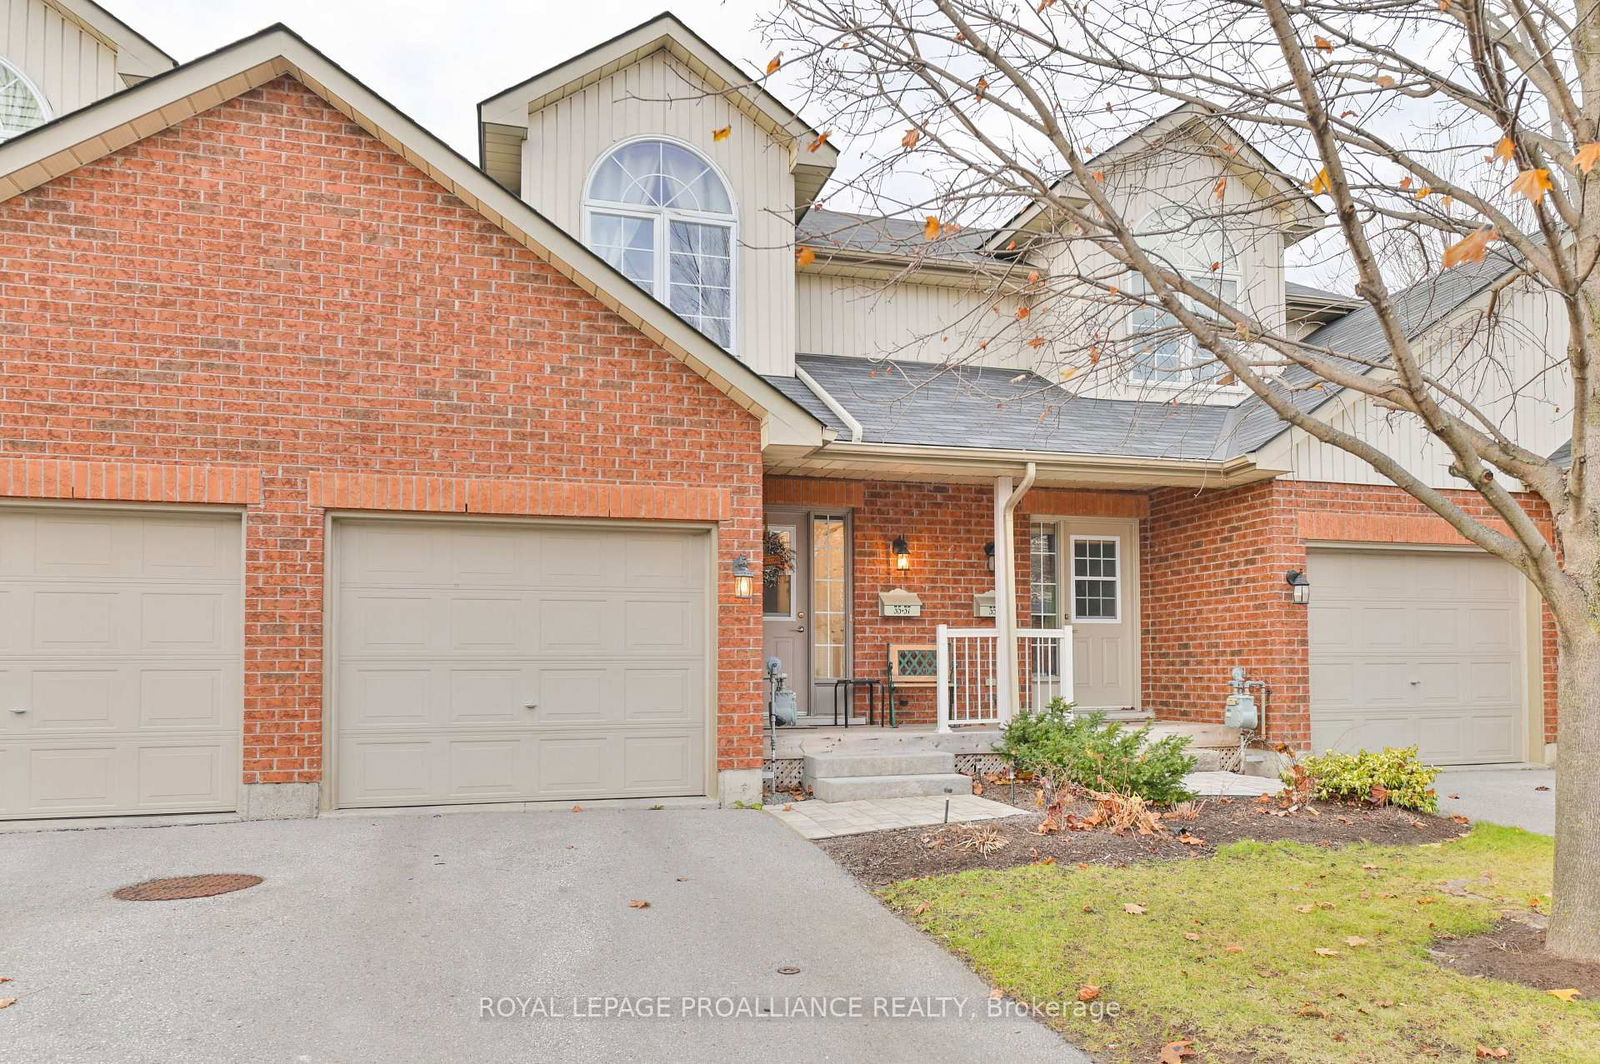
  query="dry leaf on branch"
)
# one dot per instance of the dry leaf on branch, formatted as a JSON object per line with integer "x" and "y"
{"x": 777, "y": 61}
{"x": 1505, "y": 150}
{"x": 1471, "y": 248}
{"x": 822, "y": 138}
{"x": 911, "y": 138}
{"x": 1323, "y": 44}
{"x": 1587, "y": 156}
{"x": 931, "y": 228}
{"x": 722, "y": 134}
{"x": 805, "y": 257}
{"x": 1320, "y": 184}
{"x": 1532, "y": 184}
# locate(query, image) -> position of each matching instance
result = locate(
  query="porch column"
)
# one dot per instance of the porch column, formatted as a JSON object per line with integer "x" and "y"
{"x": 1006, "y": 499}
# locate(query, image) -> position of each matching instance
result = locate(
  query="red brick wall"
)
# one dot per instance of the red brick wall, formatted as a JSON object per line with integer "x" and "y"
{"x": 1214, "y": 594}
{"x": 265, "y": 287}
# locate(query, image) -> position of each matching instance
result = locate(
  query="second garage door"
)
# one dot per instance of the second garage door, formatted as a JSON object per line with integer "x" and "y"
{"x": 1416, "y": 648}
{"x": 498, "y": 662}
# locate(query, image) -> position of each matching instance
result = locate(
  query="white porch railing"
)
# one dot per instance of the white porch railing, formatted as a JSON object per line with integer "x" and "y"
{"x": 967, "y": 690}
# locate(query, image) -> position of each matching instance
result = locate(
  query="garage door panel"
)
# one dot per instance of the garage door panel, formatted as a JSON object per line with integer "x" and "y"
{"x": 661, "y": 764}
{"x": 603, "y": 629}
{"x": 184, "y": 698}
{"x": 1419, "y": 649}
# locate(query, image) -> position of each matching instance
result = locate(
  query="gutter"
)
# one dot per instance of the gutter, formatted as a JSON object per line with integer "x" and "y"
{"x": 831, "y": 403}
{"x": 985, "y": 464}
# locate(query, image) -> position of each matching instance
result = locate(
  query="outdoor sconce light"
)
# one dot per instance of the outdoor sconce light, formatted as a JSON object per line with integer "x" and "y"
{"x": 902, "y": 554}
{"x": 988, "y": 554}
{"x": 1299, "y": 586}
{"x": 744, "y": 578}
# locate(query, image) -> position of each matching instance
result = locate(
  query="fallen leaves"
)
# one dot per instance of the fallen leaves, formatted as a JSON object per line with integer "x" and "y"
{"x": 577, "y": 809}
{"x": 1134, "y": 909}
{"x": 1498, "y": 1053}
{"x": 1565, "y": 995}
{"x": 6, "y": 1003}
{"x": 1088, "y": 992}
{"x": 1233, "y": 947}
{"x": 1174, "y": 1052}
{"x": 1356, "y": 942}
{"x": 1324, "y": 951}
{"x": 1191, "y": 936}
{"x": 922, "y": 907}
{"x": 638, "y": 904}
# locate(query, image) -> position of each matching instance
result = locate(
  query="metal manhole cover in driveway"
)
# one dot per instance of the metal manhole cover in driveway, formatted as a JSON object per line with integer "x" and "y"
{"x": 182, "y": 887}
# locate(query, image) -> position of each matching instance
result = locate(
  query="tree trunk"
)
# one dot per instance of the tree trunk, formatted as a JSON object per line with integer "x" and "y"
{"x": 1574, "y": 931}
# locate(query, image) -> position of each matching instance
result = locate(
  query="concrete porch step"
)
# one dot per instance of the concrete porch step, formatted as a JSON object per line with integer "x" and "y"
{"x": 879, "y": 763}
{"x": 859, "y": 788}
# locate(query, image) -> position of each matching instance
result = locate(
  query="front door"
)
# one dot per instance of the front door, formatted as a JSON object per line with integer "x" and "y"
{"x": 806, "y": 595}
{"x": 1085, "y": 574}
{"x": 785, "y": 597}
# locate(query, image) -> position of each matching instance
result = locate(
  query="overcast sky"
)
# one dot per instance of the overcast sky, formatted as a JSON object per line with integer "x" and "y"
{"x": 435, "y": 60}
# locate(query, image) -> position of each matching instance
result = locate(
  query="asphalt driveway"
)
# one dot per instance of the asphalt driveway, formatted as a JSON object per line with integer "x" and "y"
{"x": 1510, "y": 796}
{"x": 379, "y": 938}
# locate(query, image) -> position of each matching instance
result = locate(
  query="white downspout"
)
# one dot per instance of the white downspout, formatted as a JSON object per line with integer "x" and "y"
{"x": 1005, "y": 589}
{"x": 831, "y": 403}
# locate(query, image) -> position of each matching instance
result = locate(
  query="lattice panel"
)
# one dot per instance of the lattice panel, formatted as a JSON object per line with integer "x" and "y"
{"x": 786, "y": 772}
{"x": 980, "y": 764}
{"x": 916, "y": 662}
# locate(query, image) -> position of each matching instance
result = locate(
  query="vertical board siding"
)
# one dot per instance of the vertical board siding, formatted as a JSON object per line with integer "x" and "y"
{"x": 908, "y": 322}
{"x": 70, "y": 65}
{"x": 658, "y": 95}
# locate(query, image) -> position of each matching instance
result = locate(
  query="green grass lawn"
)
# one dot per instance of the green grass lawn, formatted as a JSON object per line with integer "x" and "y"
{"x": 1225, "y": 953}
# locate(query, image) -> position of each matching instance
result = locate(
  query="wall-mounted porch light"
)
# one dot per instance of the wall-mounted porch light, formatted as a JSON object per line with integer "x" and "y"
{"x": 988, "y": 554}
{"x": 744, "y": 578}
{"x": 902, "y": 554}
{"x": 1299, "y": 586}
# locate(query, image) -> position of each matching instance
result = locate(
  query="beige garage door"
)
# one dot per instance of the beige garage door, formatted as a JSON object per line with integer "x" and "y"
{"x": 120, "y": 662}
{"x": 1413, "y": 648}
{"x": 497, "y": 662}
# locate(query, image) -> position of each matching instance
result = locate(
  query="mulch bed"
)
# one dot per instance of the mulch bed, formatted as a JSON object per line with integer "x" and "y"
{"x": 1514, "y": 952}
{"x": 883, "y": 857}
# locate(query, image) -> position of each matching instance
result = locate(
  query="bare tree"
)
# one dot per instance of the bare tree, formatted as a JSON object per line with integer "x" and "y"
{"x": 1441, "y": 135}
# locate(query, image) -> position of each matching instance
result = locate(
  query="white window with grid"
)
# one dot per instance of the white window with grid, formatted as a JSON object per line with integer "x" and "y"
{"x": 662, "y": 215}
{"x": 22, "y": 105}
{"x": 1162, "y": 351}
{"x": 1096, "y": 579}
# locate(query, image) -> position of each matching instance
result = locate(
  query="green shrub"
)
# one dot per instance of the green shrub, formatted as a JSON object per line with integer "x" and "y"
{"x": 1088, "y": 752}
{"x": 1391, "y": 776}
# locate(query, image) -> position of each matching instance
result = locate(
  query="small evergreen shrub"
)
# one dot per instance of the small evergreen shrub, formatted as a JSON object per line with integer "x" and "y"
{"x": 1087, "y": 752}
{"x": 1391, "y": 776}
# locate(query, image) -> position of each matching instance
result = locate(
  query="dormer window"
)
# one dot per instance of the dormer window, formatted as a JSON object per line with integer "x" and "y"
{"x": 1193, "y": 244}
{"x": 22, "y": 106}
{"x": 661, "y": 214}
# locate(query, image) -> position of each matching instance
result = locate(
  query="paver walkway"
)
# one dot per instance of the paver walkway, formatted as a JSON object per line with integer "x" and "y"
{"x": 826, "y": 820}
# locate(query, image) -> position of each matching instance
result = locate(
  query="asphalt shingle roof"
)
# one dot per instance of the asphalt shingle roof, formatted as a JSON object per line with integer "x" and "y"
{"x": 821, "y": 230}
{"x": 923, "y": 404}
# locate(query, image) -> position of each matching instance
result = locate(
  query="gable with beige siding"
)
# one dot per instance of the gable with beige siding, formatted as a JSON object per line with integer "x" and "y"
{"x": 659, "y": 96}
{"x": 1515, "y": 373}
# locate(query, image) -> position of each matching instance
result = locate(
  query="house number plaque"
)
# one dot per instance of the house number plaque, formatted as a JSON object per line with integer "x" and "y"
{"x": 899, "y": 603}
